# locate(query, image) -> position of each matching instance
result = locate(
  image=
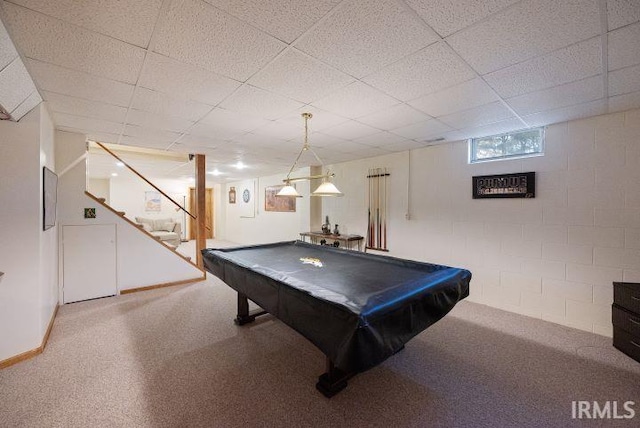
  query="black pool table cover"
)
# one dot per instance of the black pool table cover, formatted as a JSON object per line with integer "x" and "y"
{"x": 358, "y": 308}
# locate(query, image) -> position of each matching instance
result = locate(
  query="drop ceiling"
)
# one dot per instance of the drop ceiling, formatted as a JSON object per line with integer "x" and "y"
{"x": 229, "y": 78}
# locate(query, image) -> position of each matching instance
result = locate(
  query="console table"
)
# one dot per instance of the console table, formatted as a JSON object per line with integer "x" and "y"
{"x": 350, "y": 242}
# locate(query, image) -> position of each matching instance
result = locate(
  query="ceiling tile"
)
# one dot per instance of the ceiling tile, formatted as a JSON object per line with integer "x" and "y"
{"x": 218, "y": 132}
{"x": 199, "y": 34}
{"x": 394, "y": 117}
{"x": 622, "y": 12}
{"x": 163, "y": 104}
{"x": 471, "y": 93}
{"x": 433, "y": 68}
{"x": 492, "y": 129}
{"x": 284, "y": 19}
{"x": 562, "y": 66}
{"x": 364, "y": 35}
{"x": 80, "y": 107}
{"x": 350, "y": 130}
{"x": 155, "y": 121}
{"x": 158, "y": 137}
{"x": 355, "y": 100}
{"x": 181, "y": 80}
{"x": 624, "y": 80}
{"x": 381, "y": 139}
{"x": 15, "y": 85}
{"x": 564, "y": 114}
{"x": 260, "y": 103}
{"x": 346, "y": 147}
{"x": 51, "y": 40}
{"x": 319, "y": 139}
{"x": 251, "y": 139}
{"x": 101, "y": 137}
{"x": 526, "y": 30}
{"x": 624, "y": 102}
{"x": 233, "y": 120}
{"x": 449, "y": 16}
{"x": 321, "y": 119}
{"x": 283, "y": 130}
{"x": 477, "y": 116}
{"x": 582, "y": 91}
{"x": 403, "y": 146}
{"x": 300, "y": 77}
{"x": 78, "y": 84}
{"x": 423, "y": 130}
{"x": 81, "y": 122}
{"x": 131, "y": 21}
{"x": 7, "y": 51}
{"x": 149, "y": 142}
{"x": 26, "y": 106}
{"x": 193, "y": 141}
{"x": 624, "y": 47}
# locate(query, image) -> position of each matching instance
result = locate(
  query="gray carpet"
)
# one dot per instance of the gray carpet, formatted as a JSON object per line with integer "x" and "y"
{"x": 174, "y": 358}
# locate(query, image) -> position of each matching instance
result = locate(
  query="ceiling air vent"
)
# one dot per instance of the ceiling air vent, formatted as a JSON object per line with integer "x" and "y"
{"x": 434, "y": 140}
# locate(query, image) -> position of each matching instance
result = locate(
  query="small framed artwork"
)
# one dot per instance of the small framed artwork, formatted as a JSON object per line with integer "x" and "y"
{"x": 278, "y": 203}
{"x": 89, "y": 213}
{"x": 517, "y": 185}
{"x": 232, "y": 195}
{"x": 49, "y": 198}
{"x": 152, "y": 201}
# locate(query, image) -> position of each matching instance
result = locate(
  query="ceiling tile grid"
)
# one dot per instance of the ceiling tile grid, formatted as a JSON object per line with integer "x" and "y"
{"x": 622, "y": 12}
{"x": 233, "y": 120}
{"x": 449, "y": 16}
{"x": 351, "y": 130}
{"x": 625, "y": 101}
{"x": 26, "y": 106}
{"x": 15, "y": 85}
{"x": 477, "y": 116}
{"x": 433, "y": 68}
{"x": 155, "y": 121}
{"x": 364, "y": 35}
{"x": 529, "y": 29}
{"x": 581, "y": 91}
{"x": 579, "y": 111}
{"x": 562, "y": 66}
{"x": 128, "y": 20}
{"x": 624, "y": 80}
{"x": 283, "y": 19}
{"x": 257, "y": 102}
{"x": 181, "y": 80}
{"x": 422, "y": 130}
{"x": 394, "y": 117}
{"x": 81, "y": 122}
{"x": 300, "y": 77}
{"x": 381, "y": 139}
{"x": 163, "y": 104}
{"x": 7, "y": 51}
{"x": 355, "y": 100}
{"x": 51, "y": 40}
{"x": 196, "y": 33}
{"x": 54, "y": 78}
{"x": 80, "y": 107}
{"x": 218, "y": 132}
{"x": 471, "y": 93}
{"x": 624, "y": 47}
{"x": 150, "y": 134}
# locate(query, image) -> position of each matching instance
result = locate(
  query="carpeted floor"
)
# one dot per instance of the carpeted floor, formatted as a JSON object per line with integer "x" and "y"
{"x": 173, "y": 358}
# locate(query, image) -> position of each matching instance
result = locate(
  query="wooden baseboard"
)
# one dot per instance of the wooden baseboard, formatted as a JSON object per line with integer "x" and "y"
{"x": 32, "y": 353}
{"x": 163, "y": 285}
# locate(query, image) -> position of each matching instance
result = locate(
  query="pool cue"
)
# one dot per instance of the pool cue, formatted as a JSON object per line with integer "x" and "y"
{"x": 385, "y": 208}
{"x": 379, "y": 220}
{"x": 369, "y": 211}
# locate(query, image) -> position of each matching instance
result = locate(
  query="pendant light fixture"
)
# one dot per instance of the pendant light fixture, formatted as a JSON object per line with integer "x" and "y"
{"x": 326, "y": 188}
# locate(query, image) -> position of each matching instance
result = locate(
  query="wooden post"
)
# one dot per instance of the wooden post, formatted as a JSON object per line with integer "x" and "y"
{"x": 201, "y": 241}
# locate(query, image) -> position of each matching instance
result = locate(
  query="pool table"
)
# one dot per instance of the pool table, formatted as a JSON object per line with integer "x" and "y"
{"x": 357, "y": 308}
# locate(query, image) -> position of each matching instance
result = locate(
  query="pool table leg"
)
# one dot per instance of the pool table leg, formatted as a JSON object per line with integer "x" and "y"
{"x": 244, "y": 315}
{"x": 333, "y": 381}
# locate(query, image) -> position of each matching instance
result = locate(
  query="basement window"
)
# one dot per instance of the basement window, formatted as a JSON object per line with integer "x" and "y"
{"x": 517, "y": 144}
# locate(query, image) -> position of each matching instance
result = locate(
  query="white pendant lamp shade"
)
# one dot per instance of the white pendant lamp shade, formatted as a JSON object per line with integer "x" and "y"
{"x": 289, "y": 190}
{"x": 327, "y": 188}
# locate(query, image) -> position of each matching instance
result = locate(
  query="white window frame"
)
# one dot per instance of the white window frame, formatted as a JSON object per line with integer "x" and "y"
{"x": 472, "y": 147}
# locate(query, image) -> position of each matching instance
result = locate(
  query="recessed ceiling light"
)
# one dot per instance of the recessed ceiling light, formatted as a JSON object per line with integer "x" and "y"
{"x": 114, "y": 174}
{"x": 215, "y": 172}
{"x": 240, "y": 165}
{"x": 120, "y": 164}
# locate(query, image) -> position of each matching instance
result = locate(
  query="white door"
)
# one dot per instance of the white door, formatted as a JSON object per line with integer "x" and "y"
{"x": 89, "y": 262}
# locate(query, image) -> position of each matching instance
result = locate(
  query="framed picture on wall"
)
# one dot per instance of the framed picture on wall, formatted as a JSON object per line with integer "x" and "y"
{"x": 152, "y": 201}
{"x": 232, "y": 195}
{"x": 281, "y": 204}
{"x": 49, "y": 197}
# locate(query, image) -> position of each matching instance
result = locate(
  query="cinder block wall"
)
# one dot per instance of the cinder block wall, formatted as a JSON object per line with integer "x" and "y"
{"x": 553, "y": 257}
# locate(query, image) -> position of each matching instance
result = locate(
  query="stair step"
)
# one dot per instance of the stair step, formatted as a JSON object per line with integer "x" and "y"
{"x": 103, "y": 200}
{"x": 140, "y": 225}
{"x": 121, "y": 213}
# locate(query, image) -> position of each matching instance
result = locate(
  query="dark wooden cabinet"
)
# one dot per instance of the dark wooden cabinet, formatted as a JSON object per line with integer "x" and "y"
{"x": 626, "y": 318}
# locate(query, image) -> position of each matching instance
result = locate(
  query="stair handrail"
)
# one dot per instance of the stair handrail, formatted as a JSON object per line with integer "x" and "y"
{"x": 147, "y": 181}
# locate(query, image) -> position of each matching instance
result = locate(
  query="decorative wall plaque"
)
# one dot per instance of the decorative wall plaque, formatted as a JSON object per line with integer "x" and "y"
{"x": 518, "y": 185}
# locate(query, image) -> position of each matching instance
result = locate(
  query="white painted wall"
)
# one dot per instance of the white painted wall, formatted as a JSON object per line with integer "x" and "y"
{"x": 265, "y": 226}
{"x": 100, "y": 188}
{"x": 28, "y": 255}
{"x": 140, "y": 260}
{"x": 553, "y": 257}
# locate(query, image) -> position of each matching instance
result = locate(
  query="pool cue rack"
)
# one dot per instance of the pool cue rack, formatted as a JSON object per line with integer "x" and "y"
{"x": 377, "y": 198}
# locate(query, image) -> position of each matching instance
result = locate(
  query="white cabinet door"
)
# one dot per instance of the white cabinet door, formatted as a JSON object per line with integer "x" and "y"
{"x": 89, "y": 262}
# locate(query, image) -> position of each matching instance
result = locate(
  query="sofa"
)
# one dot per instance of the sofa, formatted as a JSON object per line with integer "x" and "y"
{"x": 167, "y": 230}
